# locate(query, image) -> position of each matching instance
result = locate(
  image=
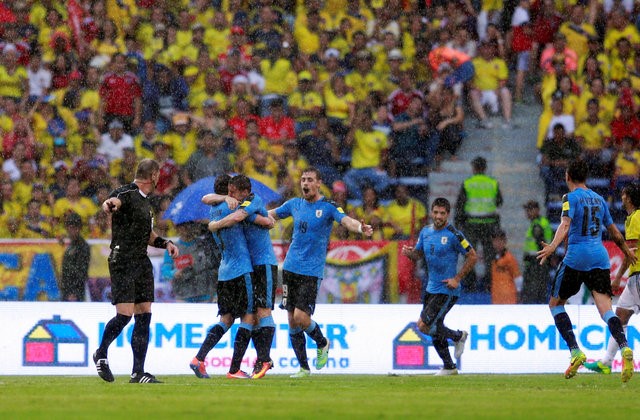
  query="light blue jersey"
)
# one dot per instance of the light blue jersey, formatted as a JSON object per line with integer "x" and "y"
{"x": 441, "y": 249}
{"x": 311, "y": 230}
{"x": 235, "y": 254}
{"x": 258, "y": 239}
{"x": 589, "y": 213}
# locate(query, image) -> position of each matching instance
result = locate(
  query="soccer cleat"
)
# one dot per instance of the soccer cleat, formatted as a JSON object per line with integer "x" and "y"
{"x": 102, "y": 366}
{"x": 459, "y": 345}
{"x": 446, "y": 372}
{"x": 238, "y": 375}
{"x": 302, "y": 373}
{"x": 143, "y": 378}
{"x": 198, "y": 368}
{"x": 261, "y": 368}
{"x": 577, "y": 359}
{"x": 323, "y": 355}
{"x": 627, "y": 364}
{"x": 598, "y": 367}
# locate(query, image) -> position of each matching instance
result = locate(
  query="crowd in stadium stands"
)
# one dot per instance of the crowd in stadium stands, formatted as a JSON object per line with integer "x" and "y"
{"x": 371, "y": 92}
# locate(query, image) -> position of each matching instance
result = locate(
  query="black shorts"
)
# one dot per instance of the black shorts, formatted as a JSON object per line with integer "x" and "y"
{"x": 235, "y": 296}
{"x": 265, "y": 281}
{"x": 567, "y": 281}
{"x": 299, "y": 291}
{"x": 434, "y": 308}
{"x": 131, "y": 278}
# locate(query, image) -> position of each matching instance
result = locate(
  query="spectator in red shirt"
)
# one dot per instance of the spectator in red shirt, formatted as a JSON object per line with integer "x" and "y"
{"x": 238, "y": 122}
{"x": 399, "y": 100}
{"x": 232, "y": 68}
{"x": 627, "y": 124}
{"x": 277, "y": 127}
{"x": 120, "y": 96}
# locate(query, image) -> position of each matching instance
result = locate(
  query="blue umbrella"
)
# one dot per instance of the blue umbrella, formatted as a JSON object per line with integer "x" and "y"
{"x": 187, "y": 207}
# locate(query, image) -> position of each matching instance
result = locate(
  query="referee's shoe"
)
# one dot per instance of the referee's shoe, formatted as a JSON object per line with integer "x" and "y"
{"x": 143, "y": 378}
{"x": 102, "y": 366}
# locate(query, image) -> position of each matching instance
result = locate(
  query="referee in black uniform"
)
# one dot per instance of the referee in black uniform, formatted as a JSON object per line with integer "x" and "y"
{"x": 131, "y": 272}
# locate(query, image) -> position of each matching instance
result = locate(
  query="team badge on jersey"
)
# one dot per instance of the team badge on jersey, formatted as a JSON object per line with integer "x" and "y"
{"x": 443, "y": 240}
{"x": 318, "y": 213}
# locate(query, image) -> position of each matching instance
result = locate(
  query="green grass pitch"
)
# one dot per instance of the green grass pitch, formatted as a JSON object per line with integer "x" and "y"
{"x": 322, "y": 396}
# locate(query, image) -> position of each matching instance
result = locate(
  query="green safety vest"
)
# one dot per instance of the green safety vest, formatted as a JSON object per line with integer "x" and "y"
{"x": 481, "y": 191}
{"x": 530, "y": 246}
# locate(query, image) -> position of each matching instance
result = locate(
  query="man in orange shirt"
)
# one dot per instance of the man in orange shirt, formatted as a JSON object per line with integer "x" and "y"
{"x": 505, "y": 273}
{"x": 463, "y": 69}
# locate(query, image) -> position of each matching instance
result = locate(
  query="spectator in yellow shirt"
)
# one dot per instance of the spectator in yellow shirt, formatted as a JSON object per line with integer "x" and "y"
{"x": 404, "y": 215}
{"x": 368, "y": 157}
{"x": 73, "y": 201}
{"x": 363, "y": 81}
{"x": 490, "y": 85}
{"x": 14, "y": 82}
{"x": 620, "y": 27}
{"x": 578, "y": 31}
{"x": 182, "y": 138}
{"x": 627, "y": 163}
{"x": 623, "y": 62}
{"x": 308, "y": 36}
{"x": 305, "y": 105}
{"x": 592, "y": 135}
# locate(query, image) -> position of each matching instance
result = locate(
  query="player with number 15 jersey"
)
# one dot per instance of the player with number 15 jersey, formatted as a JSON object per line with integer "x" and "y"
{"x": 589, "y": 213}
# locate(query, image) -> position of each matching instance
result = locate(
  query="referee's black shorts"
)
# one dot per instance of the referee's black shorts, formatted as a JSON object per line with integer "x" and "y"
{"x": 265, "y": 281}
{"x": 131, "y": 278}
{"x": 299, "y": 291}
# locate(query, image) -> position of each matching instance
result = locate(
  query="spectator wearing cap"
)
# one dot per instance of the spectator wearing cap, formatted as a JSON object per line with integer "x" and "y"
{"x": 305, "y": 104}
{"x": 39, "y": 78}
{"x": 120, "y": 96}
{"x": 391, "y": 80}
{"x": 182, "y": 138}
{"x": 240, "y": 87}
{"x": 114, "y": 141}
{"x": 506, "y": 280}
{"x": 277, "y": 127}
{"x": 536, "y": 276}
{"x": 362, "y": 80}
{"x": 75, "y": 261}
{"x": 368, "y": 156}
{"x": 489, "y": 86}
{"x": 73, "y": 201}
{"x": 331, "y": 65}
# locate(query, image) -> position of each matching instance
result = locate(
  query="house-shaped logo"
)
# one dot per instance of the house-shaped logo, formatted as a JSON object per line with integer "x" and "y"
{"x": 55, "y": 342}
{"x": 413, "y": 350}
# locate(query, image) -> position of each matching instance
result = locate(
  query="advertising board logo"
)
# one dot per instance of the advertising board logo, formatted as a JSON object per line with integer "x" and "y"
{"x": 413, "y": 350}
{"x": 55, "y": 342}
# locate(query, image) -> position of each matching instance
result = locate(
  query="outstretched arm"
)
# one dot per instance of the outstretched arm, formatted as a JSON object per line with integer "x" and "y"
{"x": 355, "y": 226}
{"x": 211, "y": 199}
{"x": 229, "y": 220}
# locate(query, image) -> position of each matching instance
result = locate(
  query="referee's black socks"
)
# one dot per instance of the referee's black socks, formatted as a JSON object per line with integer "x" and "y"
{"x": 140, "y": 341}
{"x": 111, "y": 331}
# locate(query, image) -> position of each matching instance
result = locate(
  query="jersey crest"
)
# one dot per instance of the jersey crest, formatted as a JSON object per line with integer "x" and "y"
{"x": 318, "y": 213}
{"x": 444, "y": 240}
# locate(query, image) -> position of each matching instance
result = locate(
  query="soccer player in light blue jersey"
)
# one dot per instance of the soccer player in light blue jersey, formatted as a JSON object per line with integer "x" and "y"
{"x": 235, "y": 290}
{"x": 584, "y": 213}
{"x": 313, "y": 217}
{"x": 252, "y": 213}
{"x": 441, "y": 244}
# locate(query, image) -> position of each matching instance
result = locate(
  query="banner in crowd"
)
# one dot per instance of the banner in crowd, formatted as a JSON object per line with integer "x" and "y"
{"x": 356, "y": 271}
{"x": 55, "y": 338}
